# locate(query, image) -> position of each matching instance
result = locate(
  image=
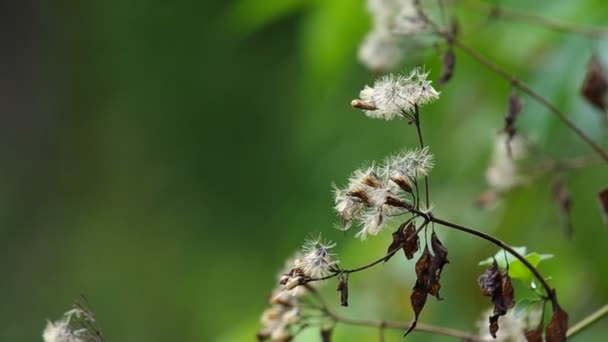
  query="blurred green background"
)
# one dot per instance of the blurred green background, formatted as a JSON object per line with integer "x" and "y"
{"x": 164, "y": 158}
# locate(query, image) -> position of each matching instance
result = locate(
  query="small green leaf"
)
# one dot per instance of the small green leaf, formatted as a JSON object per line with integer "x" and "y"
{"x": 500, "y": 257}
{"x": 517, "y": 269}
{"x": 522, "y": 305}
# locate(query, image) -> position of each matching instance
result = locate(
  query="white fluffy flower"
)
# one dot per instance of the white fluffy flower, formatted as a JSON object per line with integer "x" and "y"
{"x": 76, "y": 325}
{"x": 393, "y": 96}
{"x": 503, "y": 173}
{"x": 317, "y": 261}
{"x": 60, "y": 331}
{"x": 408, "y": 165}
{"x": 382, "y": 48}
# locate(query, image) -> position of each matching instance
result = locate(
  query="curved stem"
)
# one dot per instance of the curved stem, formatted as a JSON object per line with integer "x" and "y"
{"x": 588, "y": 321}
{"x": 462, "y": 335}
{"x": 421, "y": 141}
{"x": 512, "y": 14}
{"x": 550, "y": 291}
{"x": 526, "y": 89}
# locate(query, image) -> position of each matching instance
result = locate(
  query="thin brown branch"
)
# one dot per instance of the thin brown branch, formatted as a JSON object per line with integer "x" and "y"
{"x": 548, "y": 289}
{"x": 432, "y": 329}
{"x": 496, "y": 11}
{"x": 586, "y": 322}
{"x": 532, "y": 93}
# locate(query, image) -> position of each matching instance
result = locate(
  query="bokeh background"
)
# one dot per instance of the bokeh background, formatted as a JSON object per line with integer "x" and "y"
{"x": 164, "y": 158}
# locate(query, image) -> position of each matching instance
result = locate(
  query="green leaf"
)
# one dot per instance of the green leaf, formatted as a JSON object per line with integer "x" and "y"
{"x": 500, "y": 257}
{"x": 523, "y": 305}
{"x": 517, "y": 269}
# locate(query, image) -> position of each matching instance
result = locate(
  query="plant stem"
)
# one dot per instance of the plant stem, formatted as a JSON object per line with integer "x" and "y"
{"x": 496, "y": 11}
{"x": 525, "y": 88}
{"x": 588, "y": 321}
{"x": 421, "y": 141}
{"x": 550, "y": 291}
{"x": 464, "y": 336}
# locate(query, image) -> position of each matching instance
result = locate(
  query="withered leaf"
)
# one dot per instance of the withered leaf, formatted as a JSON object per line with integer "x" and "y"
{"x": 343, "y": 289}
{"x": 424, "y": 268}
{"x": 536, "y": 334}
{"x": 448, "y": 63}
{"x": 514, "y": 108}
{"x": 406, "y": 237}
{"x": 558, "y": 326}
{"x": 562, "y": 197}
{"x": 603, "y": 197}
{"x": 411, "y": 243}
{"x": 595, "y": 85}
{"x": 497, "y": 285}
{"x": 440, "y": 259}
{"x": 326, "y": 334}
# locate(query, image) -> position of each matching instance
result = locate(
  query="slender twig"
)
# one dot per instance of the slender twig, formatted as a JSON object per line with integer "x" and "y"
{"x": 526, "y": 89}
{"x": 496, "y": 11}
{"x": 421, "y": 141}
{"x": 464, "y": 336}
{"x": 357, "y": 269}
{"x": 322, "y": 305}
{"x": 586, "y": 322}
{"x": 550, "y": 291}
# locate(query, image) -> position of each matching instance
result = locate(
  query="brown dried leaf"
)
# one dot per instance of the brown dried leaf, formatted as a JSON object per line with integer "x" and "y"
{"x": 603, "y": 197}
{"x": 448, "y": 63}
{"x": 497, "y": 284}
{"x": 558, "y": 326}
{"x": 343, "y": 289}
{"x": 562, "y": 197}
{"x": 536, "y": 334}
{"x": 405, "y": 237}
{"x": 424, "y": 268}
{"x": 411, "y": 243}
{"x": 440, "y": 259}
{"x": 515, "y": 106}
{"x": 595, "y": 85}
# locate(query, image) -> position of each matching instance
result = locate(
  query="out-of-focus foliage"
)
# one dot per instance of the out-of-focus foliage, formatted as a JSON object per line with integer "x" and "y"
{"x": 164, "y": 158}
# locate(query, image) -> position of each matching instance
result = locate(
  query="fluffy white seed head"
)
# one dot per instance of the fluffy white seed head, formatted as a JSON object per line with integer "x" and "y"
{"x": 382, "y": 49}
{"x": 503, "y": 172}
{"x": 394, "y": 95}
{"x": 60, "y": 331}
{"x": 317, "y": 260}
{"x": 408, "y": 165}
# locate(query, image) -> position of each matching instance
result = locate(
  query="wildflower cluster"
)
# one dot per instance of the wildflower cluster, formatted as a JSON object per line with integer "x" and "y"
{"x": 394, "y": 96}
{"x": 76, "y": 325}
{"x": 382, "y": 48}
{"x": 375, "y": 194}
{"x": 283, "y": 318}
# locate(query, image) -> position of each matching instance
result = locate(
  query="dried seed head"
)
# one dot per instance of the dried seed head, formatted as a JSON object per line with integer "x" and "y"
{"x": 393, "y": 95}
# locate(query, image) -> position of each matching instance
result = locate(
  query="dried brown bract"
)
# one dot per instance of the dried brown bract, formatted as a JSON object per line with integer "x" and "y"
{"x": 603, "y": 198}
{"x": 562, "y": 197}
{"x": 595, "y": 85}
{"x": 343, "y": 289}
{"x": 558, "y": 326}
{"x": 406, "y": 237}
{"x": 496, "y": 283}
{"x": 440, "y": 259}
{"x": 448, "y": 62}
{"x": 424, "y": 269}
